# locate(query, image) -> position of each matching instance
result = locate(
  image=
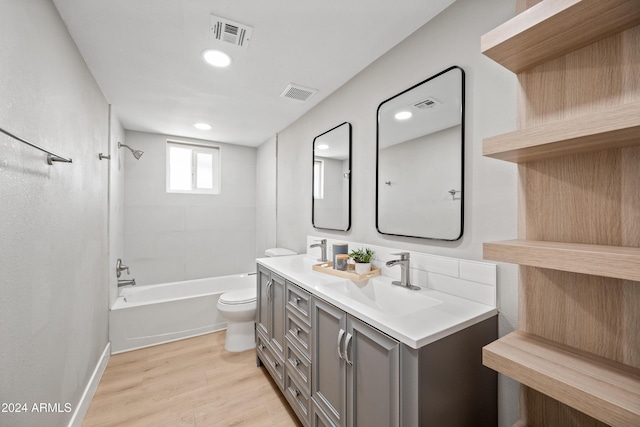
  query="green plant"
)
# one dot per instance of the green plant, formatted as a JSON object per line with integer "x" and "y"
{"x": 362, "y": 255}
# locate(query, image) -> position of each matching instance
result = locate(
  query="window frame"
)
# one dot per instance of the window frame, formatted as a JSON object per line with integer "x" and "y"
{"x": 318, "y": 179}
{"x": 196, "y": 148}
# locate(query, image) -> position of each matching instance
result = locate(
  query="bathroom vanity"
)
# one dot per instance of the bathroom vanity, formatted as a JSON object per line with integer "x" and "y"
{"x": 369, "y": 353}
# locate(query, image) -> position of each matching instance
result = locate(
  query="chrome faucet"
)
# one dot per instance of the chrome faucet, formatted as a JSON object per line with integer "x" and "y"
{"x": 405, "y": 279}
{"x": 323, "y": 247}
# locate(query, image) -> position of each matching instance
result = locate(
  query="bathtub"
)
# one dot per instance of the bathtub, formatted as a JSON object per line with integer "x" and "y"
{"x": 143, "y": 316}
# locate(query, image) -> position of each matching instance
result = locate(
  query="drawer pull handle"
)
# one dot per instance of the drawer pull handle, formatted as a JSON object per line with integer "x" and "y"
{"x": 296, "y": 300}
{"x": 298, "y": 330}
{"x": 261, "y": 346}
{"x": 276, "y": 364}
{"x": 298, "y": 362}
{"x": 297, "y": 392}
{"x": 340, "y": 335}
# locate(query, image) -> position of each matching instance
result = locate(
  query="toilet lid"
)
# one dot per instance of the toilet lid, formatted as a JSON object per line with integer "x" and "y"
{"x": 274, "y": 252}
{"x": 242, "y": 296}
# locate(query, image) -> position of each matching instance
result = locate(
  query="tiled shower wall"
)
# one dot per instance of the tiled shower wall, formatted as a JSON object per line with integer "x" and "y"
{"x": 172, "y": 237}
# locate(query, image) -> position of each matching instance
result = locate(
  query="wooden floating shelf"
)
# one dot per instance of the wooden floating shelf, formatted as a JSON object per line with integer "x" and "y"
{"x": 553, "y": 28}
{"x": 605, "y": 390}
{"x": 327, "y": 268}
{"x": 609, "y": 261}
{"x": 616, "y": 127}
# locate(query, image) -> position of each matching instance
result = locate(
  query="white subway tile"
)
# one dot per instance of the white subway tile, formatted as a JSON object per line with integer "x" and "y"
{"x": 463, "y": 288}
{"x": 478, "y": 272}
{"x": 435, "y": 264}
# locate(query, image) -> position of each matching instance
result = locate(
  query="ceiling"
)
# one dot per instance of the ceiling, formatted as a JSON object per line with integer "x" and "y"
{"x": 146, "y": 57}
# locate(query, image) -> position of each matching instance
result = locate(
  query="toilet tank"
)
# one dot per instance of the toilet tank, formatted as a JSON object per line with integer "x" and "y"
{"x": 274, "y": 252}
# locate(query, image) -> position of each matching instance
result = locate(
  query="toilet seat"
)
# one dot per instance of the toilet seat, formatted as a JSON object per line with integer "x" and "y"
{"x": 243, "y": 296}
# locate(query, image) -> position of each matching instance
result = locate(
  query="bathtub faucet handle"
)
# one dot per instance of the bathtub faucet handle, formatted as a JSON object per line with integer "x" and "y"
{"x": 120, "y": 267}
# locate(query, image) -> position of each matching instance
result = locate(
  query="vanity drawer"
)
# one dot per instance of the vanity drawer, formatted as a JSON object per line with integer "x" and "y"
{"x": 274, "y": 365}
{"x": 298, "y": 398}
{"x": 298, "y": 301}
{"x": 298, "y": 366}
{"x": 299, "y": 333}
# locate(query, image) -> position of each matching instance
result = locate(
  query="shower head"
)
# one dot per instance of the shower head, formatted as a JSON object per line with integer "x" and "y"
{"x": 136, "y": 153}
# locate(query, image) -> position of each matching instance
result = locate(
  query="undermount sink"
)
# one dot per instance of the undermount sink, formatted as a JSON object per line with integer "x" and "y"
{"x": 381, "y": 295}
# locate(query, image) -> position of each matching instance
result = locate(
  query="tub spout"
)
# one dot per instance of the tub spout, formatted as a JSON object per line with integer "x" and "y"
{"x": 131, "y": 282}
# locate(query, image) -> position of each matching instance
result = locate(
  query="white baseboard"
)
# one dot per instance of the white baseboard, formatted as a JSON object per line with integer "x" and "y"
{"x": 83, "y": 405}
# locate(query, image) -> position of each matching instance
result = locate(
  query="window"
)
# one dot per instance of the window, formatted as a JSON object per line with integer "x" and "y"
{"x": 193, "y": 168}
{"x": 318, "y": 179}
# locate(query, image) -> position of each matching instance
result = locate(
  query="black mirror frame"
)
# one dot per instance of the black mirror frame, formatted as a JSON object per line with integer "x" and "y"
{"x": 350, "y": 173}
{"x": 462, "y": 142}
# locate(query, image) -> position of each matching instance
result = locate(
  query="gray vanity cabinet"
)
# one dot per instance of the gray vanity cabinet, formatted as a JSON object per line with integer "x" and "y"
{"x": 270, "y": 322}
{"x": 337, "y": 371}
{"x": 355, "y": 371}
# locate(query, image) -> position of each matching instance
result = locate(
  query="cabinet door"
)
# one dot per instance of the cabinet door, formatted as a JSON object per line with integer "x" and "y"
{"x": 373, "y": 376}
{"x": 262, "y": 306}
{"x": 277, "y": 322}
{"x": 318, "y": 418}
{"x": 328, "y": 380}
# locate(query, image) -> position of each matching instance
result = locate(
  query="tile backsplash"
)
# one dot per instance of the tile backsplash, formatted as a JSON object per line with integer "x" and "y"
{"x": 473, "y": 280}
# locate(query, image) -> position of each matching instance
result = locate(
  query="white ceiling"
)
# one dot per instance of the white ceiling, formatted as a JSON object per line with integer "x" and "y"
{"x": 146, "y": 57}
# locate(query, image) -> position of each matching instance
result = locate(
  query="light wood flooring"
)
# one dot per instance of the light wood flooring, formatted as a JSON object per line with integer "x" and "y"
{"x": 193, "y": 382}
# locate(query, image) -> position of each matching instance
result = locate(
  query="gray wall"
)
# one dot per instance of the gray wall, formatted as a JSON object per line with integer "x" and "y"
{"x": 452, "y": 38}
{"x": 116, "y": 202}
{"x": 172, "y": 236}
{"x": 53, "y": 228}
{"x": 266, "y": 178}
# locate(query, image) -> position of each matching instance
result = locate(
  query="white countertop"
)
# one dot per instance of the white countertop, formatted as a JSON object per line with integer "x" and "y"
{"x": 415, "y": 318}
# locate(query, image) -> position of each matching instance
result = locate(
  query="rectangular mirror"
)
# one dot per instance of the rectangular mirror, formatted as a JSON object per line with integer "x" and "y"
{"x": 420, "y": 162}
{"x": 331, "y": 192}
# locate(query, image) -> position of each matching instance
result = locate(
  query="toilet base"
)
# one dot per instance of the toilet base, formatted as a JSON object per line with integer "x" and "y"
{"x": 240, "y": 336}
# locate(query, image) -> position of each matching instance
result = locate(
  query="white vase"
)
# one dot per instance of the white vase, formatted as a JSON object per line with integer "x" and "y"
{"x": 363, "y": 267}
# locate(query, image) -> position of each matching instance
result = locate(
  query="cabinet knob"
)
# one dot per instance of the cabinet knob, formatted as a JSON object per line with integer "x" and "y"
{"x": 298, "y": 362}
{"x": 296, "y": 300}
{"x": 298, "y": 330}
{"x": 297, "y": 392}
{"x": 276, "y": 364}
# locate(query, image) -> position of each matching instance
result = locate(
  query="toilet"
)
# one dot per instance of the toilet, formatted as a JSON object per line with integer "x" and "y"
{"x": 239, "y": 309}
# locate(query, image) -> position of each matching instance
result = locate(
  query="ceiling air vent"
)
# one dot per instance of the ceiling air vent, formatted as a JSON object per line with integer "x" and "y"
{"x": 300, "y": 93}
{"x": 427, "y": 103}
{"x": 229, "y": 31}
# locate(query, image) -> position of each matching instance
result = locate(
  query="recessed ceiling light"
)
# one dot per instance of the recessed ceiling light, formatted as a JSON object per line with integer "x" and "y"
{"x": 322, "y": 147}
{"x": 202, "y": 126}
{"x": 216, "y": 58}
{"x": 403, "y": 115}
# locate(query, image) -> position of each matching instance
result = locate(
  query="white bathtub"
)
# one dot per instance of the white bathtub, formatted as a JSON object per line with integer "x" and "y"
{"x": 143, "y": 316}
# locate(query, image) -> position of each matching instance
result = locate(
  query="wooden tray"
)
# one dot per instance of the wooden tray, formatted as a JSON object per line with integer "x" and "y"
{"x": 327, "y": 268}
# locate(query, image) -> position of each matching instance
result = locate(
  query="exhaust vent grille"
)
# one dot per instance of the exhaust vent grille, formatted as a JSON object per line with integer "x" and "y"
{"x": 297, "y": 92}
{"x": 229, "y": 31}
{"x": 427, "y": 103}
